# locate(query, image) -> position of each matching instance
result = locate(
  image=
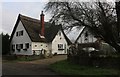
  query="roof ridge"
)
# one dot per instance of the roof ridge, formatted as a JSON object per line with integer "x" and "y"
{"x": 29, "y": 18}
{"x": 79, "y": 35}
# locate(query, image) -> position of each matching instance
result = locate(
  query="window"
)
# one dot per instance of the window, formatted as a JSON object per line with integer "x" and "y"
{"x": 65, "y": 48}
{"x": 27, "y": 45}
{"x": 16, "y": 33}
{"x": 19, "y": 33}
{"x": 60, "y": 46}
{"x": 13, "y": 47}
{"x": 86, "y": 34}
{"x": 22, "y": 33}
{"x": 18, "y": 47}
{"x": 21, "y": 46}
{"x": 59, "y": 33}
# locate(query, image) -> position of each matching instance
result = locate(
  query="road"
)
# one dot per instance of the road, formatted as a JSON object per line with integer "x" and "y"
{"x": 37, "y": 67}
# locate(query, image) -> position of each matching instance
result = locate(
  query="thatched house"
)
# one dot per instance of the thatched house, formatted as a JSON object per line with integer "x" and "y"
{"x": 34, "y": 37}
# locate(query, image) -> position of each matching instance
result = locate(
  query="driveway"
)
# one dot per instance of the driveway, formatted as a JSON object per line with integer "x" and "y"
{"x": 37, "y": 67}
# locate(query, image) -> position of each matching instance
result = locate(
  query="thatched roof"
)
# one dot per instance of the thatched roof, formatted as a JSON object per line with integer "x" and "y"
{"x": 33, "y": 28}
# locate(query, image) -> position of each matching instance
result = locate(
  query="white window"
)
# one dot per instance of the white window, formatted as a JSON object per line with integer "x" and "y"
{"x": 60, "y": 47}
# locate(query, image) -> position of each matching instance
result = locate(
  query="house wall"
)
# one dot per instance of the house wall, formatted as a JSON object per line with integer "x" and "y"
{"x": 91, "y": 37}
{"x": 39, "y": 47}
{"x": 59, "y": 39}
{"x": 21, "y": 40}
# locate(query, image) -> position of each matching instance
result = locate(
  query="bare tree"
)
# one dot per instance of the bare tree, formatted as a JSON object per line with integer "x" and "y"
{"x": 99, "y": 17}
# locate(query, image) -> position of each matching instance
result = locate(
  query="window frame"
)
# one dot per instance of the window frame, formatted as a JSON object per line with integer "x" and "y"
{"x": 59, "y": 33}
{"x": 60, "y": 46}
{"x": 19, "y": 33}
{"x": 21, "y": 46}
{"x": 13, "y": 47}
{"x": 26, "y": 45}
{"x": 16, "y": 33}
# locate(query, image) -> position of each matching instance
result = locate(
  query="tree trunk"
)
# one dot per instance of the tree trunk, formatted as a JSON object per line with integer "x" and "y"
{"x": 118, "y": 16}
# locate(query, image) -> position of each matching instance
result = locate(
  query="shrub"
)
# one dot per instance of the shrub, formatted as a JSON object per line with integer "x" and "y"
{"x": 96, "y": 59}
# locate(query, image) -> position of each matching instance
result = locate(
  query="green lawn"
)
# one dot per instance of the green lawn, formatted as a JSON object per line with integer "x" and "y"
{"x": 67, "y": 68}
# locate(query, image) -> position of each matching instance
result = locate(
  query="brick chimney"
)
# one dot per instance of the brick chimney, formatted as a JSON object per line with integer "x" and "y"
{"x": 42, "y": 24}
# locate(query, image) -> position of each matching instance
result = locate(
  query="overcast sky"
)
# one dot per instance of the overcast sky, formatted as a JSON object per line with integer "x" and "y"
{"x": 11, "y": 10}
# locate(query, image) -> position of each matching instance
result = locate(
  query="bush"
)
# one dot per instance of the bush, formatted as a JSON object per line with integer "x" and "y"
{"x": 95, "y": 60}
{"x": 68, "y": 68}
{"x": 109, "y": 62}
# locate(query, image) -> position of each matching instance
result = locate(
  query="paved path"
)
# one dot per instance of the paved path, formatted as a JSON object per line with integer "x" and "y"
{"x": 37, "y": 67}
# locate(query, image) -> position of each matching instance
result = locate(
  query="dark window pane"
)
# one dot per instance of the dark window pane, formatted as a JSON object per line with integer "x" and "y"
{"x": 13, "y": 47}
{"x": 16, "y": 33}
{"x": 16, "y": 46}
{"x": 22, "y": 32}
{"x": 60, "y": 46}
{"x": 21, "y": 46}
{"x": 27, "y": 45}
{"x": 59, "y": 33}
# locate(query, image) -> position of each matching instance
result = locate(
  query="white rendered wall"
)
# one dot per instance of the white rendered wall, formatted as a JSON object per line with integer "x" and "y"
{"x": 21, "y": 40}
{"x": 38, "y": 47}
{"x": 57, "y": 41}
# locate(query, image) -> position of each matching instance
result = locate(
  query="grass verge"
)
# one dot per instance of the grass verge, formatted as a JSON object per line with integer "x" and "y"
{"x": 67, "y": 68}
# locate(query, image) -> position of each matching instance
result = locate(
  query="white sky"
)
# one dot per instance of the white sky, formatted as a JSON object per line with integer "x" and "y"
{"x": 10, "y": 9}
